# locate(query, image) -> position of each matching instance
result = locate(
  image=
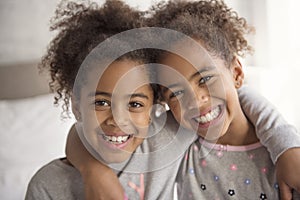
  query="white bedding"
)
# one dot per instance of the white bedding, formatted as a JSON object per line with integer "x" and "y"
{"x": 31, "y": 134}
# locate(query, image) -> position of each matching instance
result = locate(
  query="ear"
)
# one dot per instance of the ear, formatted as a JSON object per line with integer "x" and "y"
{"x": 76, "y": 108}
{"x": 159, "y": 109}
{"x": 237, "y": 72}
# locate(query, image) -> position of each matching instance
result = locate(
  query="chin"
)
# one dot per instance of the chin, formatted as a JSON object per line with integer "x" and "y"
{"x": 116, "y": 157}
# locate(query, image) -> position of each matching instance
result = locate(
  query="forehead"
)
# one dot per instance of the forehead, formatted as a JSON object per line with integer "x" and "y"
{"x": 188, "y": 60}
{"x": 123, "y": 75}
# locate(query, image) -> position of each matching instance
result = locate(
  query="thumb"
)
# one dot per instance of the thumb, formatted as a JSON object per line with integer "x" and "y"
{"x": 285, "y": 191}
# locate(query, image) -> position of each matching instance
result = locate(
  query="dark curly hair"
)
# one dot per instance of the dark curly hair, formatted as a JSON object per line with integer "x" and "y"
{"x": 81, "y": 27}
{"x": 219, "y": 27}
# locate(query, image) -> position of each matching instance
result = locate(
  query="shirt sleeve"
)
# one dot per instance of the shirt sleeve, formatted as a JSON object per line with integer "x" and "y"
{"x": 36, "y": 191}
{"x": 271, "y": 128}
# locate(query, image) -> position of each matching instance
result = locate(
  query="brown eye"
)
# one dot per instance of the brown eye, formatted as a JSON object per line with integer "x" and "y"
{"x": 102, "y": 103}
{"x": 135, "y": 105}
{"x": 176, "y": 93}
{"x": 204, "y": 79}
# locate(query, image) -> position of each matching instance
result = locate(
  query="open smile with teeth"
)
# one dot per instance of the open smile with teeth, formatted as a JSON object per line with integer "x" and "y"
{"x": 208, "y": 117}
{"x": 116, "y": 139}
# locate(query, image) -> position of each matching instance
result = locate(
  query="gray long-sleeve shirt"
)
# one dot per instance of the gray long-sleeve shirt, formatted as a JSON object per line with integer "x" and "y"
{"x": 151, "y": 171}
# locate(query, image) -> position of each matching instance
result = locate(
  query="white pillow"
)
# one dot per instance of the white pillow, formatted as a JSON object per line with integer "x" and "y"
{"x": 31, "y": 134}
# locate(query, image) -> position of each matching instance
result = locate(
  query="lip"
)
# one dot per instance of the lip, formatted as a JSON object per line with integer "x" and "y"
{"x": 215, "y": 121}
{"x": 196, "y": 112}
{"x": 115, "y": 146}
{"x": 115, "y": 134}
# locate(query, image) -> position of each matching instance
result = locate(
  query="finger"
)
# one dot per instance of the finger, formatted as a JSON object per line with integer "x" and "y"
{"x": 125, "y": 196}
{"x": 142, "y": 180}
{"x": 285, "y": 191}
{"x": 297, "y": 188}
{"x": 132, "y": 185}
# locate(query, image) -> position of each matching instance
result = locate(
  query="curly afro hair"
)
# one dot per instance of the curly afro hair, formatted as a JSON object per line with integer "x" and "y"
{"x": 81, "y": 27}
{"x": 220, "y": 28}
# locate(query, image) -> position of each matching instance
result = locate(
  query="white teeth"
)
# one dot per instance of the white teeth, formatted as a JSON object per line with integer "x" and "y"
{"x": 213, "y": 114}
{"x": 116, "y": 139}
{"x": 203, "y": 119}
{"x": 208, "y": 117}
{"x": 120, "y": 139}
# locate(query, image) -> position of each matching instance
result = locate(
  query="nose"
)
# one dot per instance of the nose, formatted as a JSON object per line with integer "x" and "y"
{"x": 118, "y": 117}
{"x": 197, "y": 98}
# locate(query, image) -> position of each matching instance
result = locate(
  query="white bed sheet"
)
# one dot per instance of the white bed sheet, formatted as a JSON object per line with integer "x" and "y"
{"x": 32, "y": 134}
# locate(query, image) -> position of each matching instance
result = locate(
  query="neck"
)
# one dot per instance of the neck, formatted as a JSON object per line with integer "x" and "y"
{"x": 240, "y": 132}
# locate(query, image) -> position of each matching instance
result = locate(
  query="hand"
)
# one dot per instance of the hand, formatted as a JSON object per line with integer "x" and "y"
{"x": 101, "y": 183}
{"x": 288, "y": 173}
{"x": 139, "y": 189}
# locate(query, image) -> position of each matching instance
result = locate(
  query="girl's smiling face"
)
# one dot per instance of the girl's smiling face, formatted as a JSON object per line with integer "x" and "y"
{"x": 115, "y": 117}
{"x": 203, "y": 98}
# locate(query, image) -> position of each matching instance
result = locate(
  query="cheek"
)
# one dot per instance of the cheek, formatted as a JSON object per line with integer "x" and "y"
{"x": 89, "y": 127}
{"x": 94, "y": 119}
{"x": 218, "y": 89}
{"x": 137, "y": 142}
{"x": 141, "y": 123}
{"x": 140, "y": 119}
{"x": 101, "y": 116}
{"x": 176, "y": 110}
{"x": 88, "y": 115}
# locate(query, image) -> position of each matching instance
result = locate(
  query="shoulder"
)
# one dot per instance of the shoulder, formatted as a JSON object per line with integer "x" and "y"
{"x": 52, "y": 180}
{"x": 56, "y": 167}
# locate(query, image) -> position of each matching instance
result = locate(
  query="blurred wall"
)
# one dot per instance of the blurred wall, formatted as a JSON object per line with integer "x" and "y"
{"x": 24, "y": 31}
{"x": 24, "y": 36}
{"x": 24, "y": 28}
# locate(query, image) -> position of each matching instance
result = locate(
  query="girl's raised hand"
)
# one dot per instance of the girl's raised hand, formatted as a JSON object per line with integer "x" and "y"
{"x": 288, "y": 173}
{"x": 100, "y": 182}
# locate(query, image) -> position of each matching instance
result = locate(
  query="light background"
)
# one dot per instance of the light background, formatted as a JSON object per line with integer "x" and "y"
{"x": 24, "y": 34}
{"x": 275, "y": 66}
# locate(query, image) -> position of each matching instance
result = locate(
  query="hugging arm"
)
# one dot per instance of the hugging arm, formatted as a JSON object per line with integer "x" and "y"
{"x": 280, "y": 138}
{"x": 98, "y": 178}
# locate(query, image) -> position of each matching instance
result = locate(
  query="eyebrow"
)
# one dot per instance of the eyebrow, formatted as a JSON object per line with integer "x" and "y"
{"x": 142, "y": 95}
{"x": 92, "y": 94}
{"x": 170, "y": 87}
{"x": 205, "y": 69}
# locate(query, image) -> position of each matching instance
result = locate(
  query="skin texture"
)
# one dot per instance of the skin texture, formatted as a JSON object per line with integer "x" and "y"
{"x": 287, "y": 173}
{"x": 224, "y": 33}
{"x": 89, "y": 168}
{"x": 205, "y": 95}
{"x": 120, "y": 106}
{"x": 201, "y": 91}
{"x": 116, "y": 108}
{"x": 209, "y": 86}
